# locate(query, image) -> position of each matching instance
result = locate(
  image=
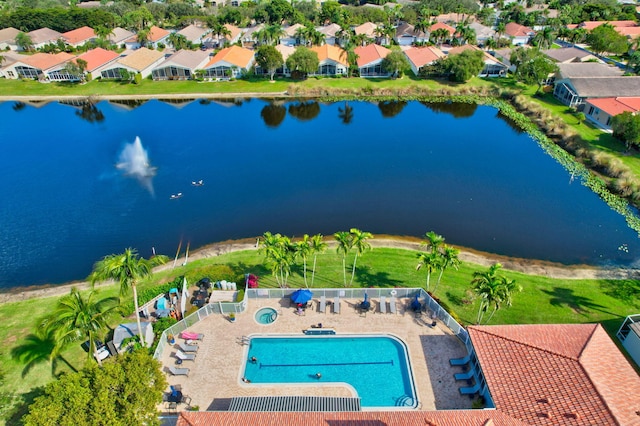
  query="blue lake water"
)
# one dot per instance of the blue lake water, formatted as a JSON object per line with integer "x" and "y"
{"x": 460, "y": 171}
{"x": 375, "y": 366}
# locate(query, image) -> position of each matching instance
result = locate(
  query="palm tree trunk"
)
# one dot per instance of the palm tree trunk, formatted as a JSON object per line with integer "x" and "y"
{"x": 428, "y": 279}
{"x": 438, "y": 282}
{"x": 480, "y": 313}
{"x": 313, "y": 275}
{"x": 135, "y": 302}
{"x": 353, "y": 270}
{"x": 491, "y": 316}
{"x": 304, "y": 271}
{"x": 344, "y": 270}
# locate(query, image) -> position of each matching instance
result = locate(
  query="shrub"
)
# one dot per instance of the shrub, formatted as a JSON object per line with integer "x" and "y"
{"x": 240, "y": 295}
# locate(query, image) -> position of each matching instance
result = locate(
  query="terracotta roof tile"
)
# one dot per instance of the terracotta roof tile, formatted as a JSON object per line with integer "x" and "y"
{"x": 615, "y": 106}
{"x": 589, "y": 25}
{"x": 79, "y": 35}
{"x": 156, "y": 34}
{"x": 234, "y": 55}
{"x": 44, "y": 61}
{"x": 369, "y": 53}
{"x": 368, "y": 29}
{"x": 329, "y": 52}
{"x": 540, "y": 372}
{"x": 439, "y": 25}
{"x": 421, "y": 56}
{"x": 366, "y": 418}
{"x": 98, "y": 57}
{"x": 516, "y": 30}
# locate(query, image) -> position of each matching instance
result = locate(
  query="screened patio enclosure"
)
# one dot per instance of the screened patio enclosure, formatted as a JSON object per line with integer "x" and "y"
{"x": 171, "y": 73}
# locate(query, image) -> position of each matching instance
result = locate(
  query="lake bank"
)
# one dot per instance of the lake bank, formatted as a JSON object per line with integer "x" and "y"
{"x": 526, "y": 266}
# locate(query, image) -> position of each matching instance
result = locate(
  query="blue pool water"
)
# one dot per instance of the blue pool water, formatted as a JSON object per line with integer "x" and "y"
{"x": 266, "y": 316}
{"x": 376, "y": 366}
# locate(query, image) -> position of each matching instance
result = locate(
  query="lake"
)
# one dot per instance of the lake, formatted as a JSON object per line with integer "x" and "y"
{"x": 71, "y": 195}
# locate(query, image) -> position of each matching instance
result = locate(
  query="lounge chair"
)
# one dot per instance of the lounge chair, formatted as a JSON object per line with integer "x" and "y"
{"x": 323, "y": 305}
{"x": 187, "y": 348}
{"x": 336, "y": 305}
{"x": 460, "y": 361}
{"x": 392, "y": 305}
{"x": 187, "y": 335}
{"x": 465, "y": 376}
{"x": 383, "y": 305}
{"x": 185, "y": 357}
{"x": 178, "y": 371}
{"x": 470, "y": 390}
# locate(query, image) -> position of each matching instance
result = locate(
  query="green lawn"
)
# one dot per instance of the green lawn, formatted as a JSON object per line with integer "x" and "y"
{"x": 543, "y": 300}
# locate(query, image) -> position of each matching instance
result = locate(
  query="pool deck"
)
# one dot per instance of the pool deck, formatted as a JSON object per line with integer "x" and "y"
{"x": 215, "y": 375}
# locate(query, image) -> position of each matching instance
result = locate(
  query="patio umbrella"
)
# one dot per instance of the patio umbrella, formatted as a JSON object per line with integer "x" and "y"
{"x": 366, "y": 304}
{"x": 301, "y": 296}
{"x": 415, "y": 304}
{"x": 183, "y": 298}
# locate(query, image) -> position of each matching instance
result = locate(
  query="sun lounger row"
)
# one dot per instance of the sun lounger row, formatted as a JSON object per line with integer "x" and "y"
{"x": 322, "y": 305}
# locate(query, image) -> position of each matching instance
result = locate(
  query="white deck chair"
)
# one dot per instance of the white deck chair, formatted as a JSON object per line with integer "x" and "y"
{"x": 323, "y": 304}
{"x": 179, "y": 371}
{"x": 187, "y": 348}
{"x": 185, "y": 357}
{"x": 336, "y": 305}
{"x": 392, "y": 305}
{"x": 383, "y": 305}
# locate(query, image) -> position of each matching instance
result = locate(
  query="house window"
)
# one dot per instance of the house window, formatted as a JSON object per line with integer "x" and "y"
{"x": 216, "y": 72}
{"x": 10, "y": 74}
{"x": 590, "y": 110}
{"x": 27, "y": 72}
{"x": 113, "y": 73}
{"x": 609, "y": 120}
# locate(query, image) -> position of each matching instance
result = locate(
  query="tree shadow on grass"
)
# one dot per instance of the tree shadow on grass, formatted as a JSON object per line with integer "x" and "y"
{"x": 627, "y": 291}
{"x": 240, "y": 269}
{"x": 579, "y": 304}
{"x": 379, "y": 279}
{"x": 22, "y": 406}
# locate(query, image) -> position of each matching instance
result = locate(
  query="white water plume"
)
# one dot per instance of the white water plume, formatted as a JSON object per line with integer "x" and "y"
{"x": 134, "y": 161}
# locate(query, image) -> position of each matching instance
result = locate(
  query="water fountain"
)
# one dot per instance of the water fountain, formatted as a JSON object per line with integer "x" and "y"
{"x": 134, "y": 161}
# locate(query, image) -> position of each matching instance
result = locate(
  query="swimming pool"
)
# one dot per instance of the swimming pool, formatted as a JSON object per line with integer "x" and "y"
{"x": 377, "y": 367}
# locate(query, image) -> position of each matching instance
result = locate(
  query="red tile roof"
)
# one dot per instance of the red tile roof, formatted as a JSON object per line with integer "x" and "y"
{"x": 439, "y": 25}
{"x": 234, "y": 55}
{"x": 589, "y": 25}
{"x": 369, "y": 53}
{"x": 567, "y": 374}
{"x": 612, "y": 106}
{"x": 78, "y": 35}
{"x": 97, "y": 57}
{"x": 421, "y": 56}
{"x": 362, "y": 418}
{"x": 44, "y": 61}
{"x": 516, "y": 30}
{"x": 329, "y": 52}
{"x": 156, "y": 34}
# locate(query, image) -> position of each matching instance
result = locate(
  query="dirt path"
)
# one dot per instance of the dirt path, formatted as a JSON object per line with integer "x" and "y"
{"x": 531, "y": 267}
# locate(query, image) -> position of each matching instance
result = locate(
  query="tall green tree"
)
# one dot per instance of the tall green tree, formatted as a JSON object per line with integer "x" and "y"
{"x": 269, "y": 58}
{"x": 532, "y": 66}
{"x": 125, "y": 391}
{"x": 395, "y": 63}
{"x": 303, "y": 61}
{"x": 430, "y": 262}
{"x": 24, "y": 42}
{"x": 448, "y": 259}
{"x": 605, "y": 38}
{"x": 344, "y": 247}
{"x": 360, "y": 243}
{"x": 280, "y": 256}
{"x": 463, "y": 66}
{"x": 493, "y": 290}
{"x": 126, "y": 269}
{"x": 77, "y": 318}
{"x": 626, "y": 127}
{"x": 318, "y": 246}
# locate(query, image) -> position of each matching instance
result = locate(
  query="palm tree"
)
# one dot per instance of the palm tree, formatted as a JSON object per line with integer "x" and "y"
{"x": 220, "y": 31}
{"x": 493, "y": 290}
{"x": 360, "y": 244}
{"x": 318, "y": 246}
{"x": 543, "y": 39}
{"x": 24, "y": 42}
{"x": 434, "y": 241}
{"x": 507, "y": 288}
{"x": 273, "y": 33}
{"x": 77, "y": 318}
{"x": 103, "y": 32}
{"x": 448, "y": 258}
{"x": 37, "y": 348}
{"x": 127, "y": 269}
{"x": 346, "y": 114}
{"x": 303, "y": 249}
{"x": 143, "y": 36}
{"x": 344, "y": 246}
{"x": 178, "y": 41}
{"x": 279, "y": 256}
{"x": 431, "y": 262}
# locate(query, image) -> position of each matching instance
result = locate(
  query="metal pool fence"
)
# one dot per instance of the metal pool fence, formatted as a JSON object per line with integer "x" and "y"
{"x": 329, "y": 293}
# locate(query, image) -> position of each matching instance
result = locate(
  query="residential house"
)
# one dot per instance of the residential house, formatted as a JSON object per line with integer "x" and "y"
{"x": 629, "y": 335}
{"x": 601, "y": 110}
{"x": 589, "y": 25}
{"x": 155, "y": 37}
{"x": 181, "y": 65}
{"x": 195, "y": 34}
{"x": 43, "y": 36}
{"x": 519, "y": 34}
{"x": 8, "y": 38}
{"x": 10, "y": 58}
{"x": 230, "y": 62}
{"x": 370, "y": 60}
{"x": 119, "y": 36}
{"x": 420, "y": 56}
{"x": 141, "y": 61}
{"x": 290, "y": 38}
{"x": 575, "y": 82}
{"x": 248, "y": 37}
{"x": 129, "y": 330}
{"x": 215, "y": 41}
{"x": 79, "y": 36}
{"x": 368, "y": 29}
{"x": 493, "y": 67}
{"x": 442, "y": 26}
{"x": 406, "y": 35}
{"x": 504, "y": 56}
{"x": 560, "y": 374}
{"x": 97, "y": 59}
{"x": 40, "y": 66}
{"x": 333, "y": 60}
{"x": 567, "y": 55}
{"x": 483, "y": 33}
{"x": 285, "y": 51}
{"x": 330, "y": 32}
{"x": 453, "y": 18}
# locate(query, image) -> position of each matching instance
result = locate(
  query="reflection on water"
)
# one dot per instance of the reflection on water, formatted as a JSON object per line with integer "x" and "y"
{"x": 345, "y": 113}
{"x": 273, "y": 114}
{"x": 128, "y": 104}
{"x": 304, "y": 111}
{"x": 457, "y": 109}
{"x": 90, "y": 112}
{"x": 390, "y": 109}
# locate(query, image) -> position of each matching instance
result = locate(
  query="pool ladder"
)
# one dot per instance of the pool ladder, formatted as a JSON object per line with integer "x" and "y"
{"x": 244, "y": 340}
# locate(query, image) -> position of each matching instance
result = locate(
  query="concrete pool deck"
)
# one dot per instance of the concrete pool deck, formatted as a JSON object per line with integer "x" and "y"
{"x": 215, "y": 375}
